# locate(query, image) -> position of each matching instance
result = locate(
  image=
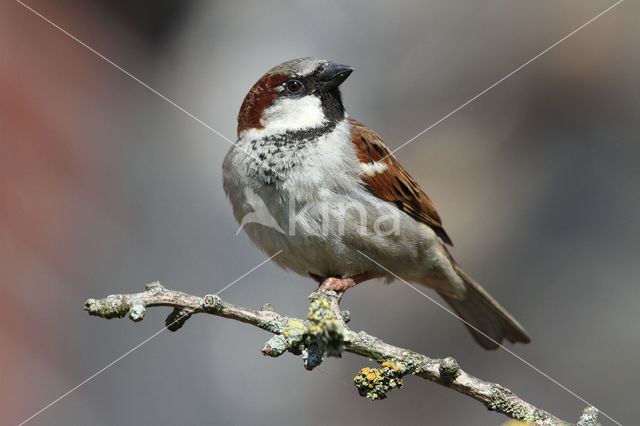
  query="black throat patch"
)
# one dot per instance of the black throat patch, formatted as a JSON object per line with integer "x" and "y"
{"x": 271, "y": 158}
{"x": 332, "y": 106}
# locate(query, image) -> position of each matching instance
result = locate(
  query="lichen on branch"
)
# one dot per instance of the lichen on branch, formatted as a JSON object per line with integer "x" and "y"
{"x": 324, "y": 333}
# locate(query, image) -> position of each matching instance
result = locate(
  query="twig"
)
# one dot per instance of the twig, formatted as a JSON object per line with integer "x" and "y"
{"x": 324, "y": 332}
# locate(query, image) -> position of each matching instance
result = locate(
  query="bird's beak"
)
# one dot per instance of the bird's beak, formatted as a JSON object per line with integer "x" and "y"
{"x": 332, "y": 76}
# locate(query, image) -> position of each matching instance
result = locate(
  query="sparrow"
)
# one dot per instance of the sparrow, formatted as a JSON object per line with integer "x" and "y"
{"x": 335, "y": 204}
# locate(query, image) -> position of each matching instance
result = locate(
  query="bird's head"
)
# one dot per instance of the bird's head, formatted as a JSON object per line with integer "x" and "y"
{"x": 299, "y": 94}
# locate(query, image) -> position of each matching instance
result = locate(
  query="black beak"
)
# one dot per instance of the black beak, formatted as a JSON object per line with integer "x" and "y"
{"x": 332, "y": 76}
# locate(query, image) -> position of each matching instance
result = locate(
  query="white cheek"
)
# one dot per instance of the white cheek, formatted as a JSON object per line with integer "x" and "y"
{"x": 294, "y": 113}
{"x": 291, "y": 114}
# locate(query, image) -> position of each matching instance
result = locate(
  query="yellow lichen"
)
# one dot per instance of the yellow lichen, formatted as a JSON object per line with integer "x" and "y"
{"x": 293, "y": 328}
{"x": 374, "y": 383}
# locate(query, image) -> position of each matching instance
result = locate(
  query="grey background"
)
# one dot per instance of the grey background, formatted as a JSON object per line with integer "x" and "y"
{"x": 537, "y": 182}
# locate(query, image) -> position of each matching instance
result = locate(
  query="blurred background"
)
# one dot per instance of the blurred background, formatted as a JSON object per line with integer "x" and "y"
{"x": 104, "y": 186}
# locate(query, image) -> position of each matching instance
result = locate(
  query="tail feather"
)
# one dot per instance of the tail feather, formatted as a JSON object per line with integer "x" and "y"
{"x": 488, "y": 322}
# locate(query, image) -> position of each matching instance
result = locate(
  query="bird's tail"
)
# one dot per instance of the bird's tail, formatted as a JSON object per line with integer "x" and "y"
{"x": 488, "y": 322}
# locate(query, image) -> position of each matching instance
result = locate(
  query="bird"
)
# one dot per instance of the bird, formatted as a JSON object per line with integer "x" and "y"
{"x": 346, "y": 210}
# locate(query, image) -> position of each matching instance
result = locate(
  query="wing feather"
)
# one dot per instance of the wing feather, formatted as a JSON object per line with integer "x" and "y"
{"x": 385, "y": 178}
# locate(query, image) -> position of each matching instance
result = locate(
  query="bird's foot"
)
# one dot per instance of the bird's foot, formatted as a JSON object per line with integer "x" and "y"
{"x": 337, "y": 284}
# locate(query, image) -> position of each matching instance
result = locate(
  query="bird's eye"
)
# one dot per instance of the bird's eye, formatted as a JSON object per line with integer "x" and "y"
{"x": 294, "y": 86}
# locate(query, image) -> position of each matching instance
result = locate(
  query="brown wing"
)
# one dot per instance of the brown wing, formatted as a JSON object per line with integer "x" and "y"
{"x": 386, "y": 179}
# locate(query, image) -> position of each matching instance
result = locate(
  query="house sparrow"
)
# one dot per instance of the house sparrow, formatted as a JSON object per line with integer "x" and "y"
{"x": 337, "y": 206}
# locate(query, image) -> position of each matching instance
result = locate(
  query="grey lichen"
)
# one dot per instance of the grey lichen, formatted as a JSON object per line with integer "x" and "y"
{"x": 367, "y": 339}
{"x": 136, "y": 313}
{"x": 323, "y": 295}
{"x": 346, "y": 316}
{"x": 155, "y": 287}
{"x": 375, "y": 383}
{"x": 267, "y": 307}
{"x": 277, "y": 325}
{"x": 449, "y": 370}
{"x": 419, "y": 364}
{"x": 113, "y": 306}
{"x": 502, "y": 402}
{"x": 212, "y": 302}
{"x": 275, "y": 346}
{"x": 541, "y": 417}
{"x": 589, "y": 417}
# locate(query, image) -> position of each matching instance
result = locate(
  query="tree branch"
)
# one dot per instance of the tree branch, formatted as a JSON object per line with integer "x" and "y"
{"x": 324, "y": 332}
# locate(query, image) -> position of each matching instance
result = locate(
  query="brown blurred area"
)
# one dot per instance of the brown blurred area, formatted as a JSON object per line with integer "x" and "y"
{"x": 104, "y": 186}
{"x": 48, "y": 183}
{"x": 55, "y": 162}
